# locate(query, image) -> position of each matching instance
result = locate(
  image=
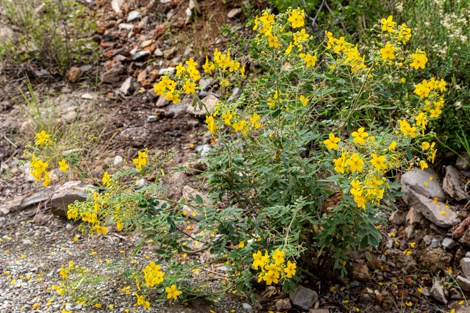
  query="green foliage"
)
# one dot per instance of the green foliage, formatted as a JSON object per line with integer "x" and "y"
{"x": 51, "y": 34}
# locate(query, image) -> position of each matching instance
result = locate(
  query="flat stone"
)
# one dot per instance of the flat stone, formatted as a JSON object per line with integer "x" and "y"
{"x": 438, "y": 293}
{"x": 451, "y": 184}
{"x": 234, "y": 12}
{"x": 137, "y": 136}
{"x": 113, "y": 75}
{"x": 203, "y": 107}
{"x": 133, "y": 15}
{"x": 126, "y": 88}
{"x": 67, "y": 194}
{"x": 465, "y": 266}
{"x": 158, "y": 53}
{"x": 283, "y": 304}
{"x": 116, "y": 5}
{"x": 74, "y": 74}
{"x": 303, "y": 298}
{"x": 463, "y": 283}
{"x": 152, "y": 118}
{"x": 126, "y": 26}
{"x": 414, "y": 217}
{"x": 420, "y": 182}
{"x": 166, "y": 70}
{"x": 438, "y": 213}
{"x": 162, "y": 102}
{"x": 118, "y": 160}
{"x": 140, "y": 55}
{"x": 87, "y": 96}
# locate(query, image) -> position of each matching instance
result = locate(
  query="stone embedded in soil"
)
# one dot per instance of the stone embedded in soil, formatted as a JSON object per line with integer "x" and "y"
{"x": 283, "y": 304}
{"x": 438, "y": 293}
{"x": 435, "y": 259}
{"x": 413, "y": 217}
{"x": 137, "y": 136}
{"x": 162, "y": 102}
{"x": 319, "y": 311}
{"x": 417, "y": 179}
{"x": 67, "y": 194}
{"x": 465, "y": 266}
{"x": 465, "y": 240}
{"x": 463, "y": 283}
{"x": 140, "y": 55}
{"x": 448, "y": 243}
{"x": 438, "y": 213}
{"x": 133, "y": 15}
{"x": 451, "y": 184}
{"x": 401, "y": 260}
{"x": 116, "y": 5}
{"x": 303, "y": 298}
{"x": 234, "y": 12}
{"x": 112, "y": 75}
{"x": 206, "y": 106}
{"x": 127, "y": 88}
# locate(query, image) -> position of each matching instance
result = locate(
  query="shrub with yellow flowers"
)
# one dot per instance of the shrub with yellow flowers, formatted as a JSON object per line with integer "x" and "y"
{"x": 303, "y": 158}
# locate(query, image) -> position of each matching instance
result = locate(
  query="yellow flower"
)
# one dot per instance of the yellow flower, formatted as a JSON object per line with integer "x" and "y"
{"x": 404, "y": 34}
{"x": 180, "y": 69}
{"x": 359, "y": 136}
{"x": 189, "y": 87}
{"x": 211, "y": 124}
{"x": 303, "y": 100}
{"x": 63, "y": 166}
{"x": 388, "y": 24}
{"x": 273, "y": 42}
{"x": 425, "y": 145}
{"x": 153, "y": 274}
{"x": 388, "y": 52}
{"x": 254, "y": 121}
{"x": 378, "y": 162}
{"x": 47, "y": 179}
{"x": 278, "y": 256}
{"x": 355, "y": 163}
{"x": 310, "y": 60}
{"x": 392, "y": 146}
{"x": 141, "y": 160}
{"x": 227, "y": 116}
{"x": 106, "y": 178}
{"x": 423, "y": 165}
{"x": 419, "y": 60}
{"x": 172, "y": 292}
{"x": 42, "y": 138}
{"x": 290, "y": 269}
{"x": 208, "y": 67}
{"x": 332, "y": 142}
{"x": 296, "y": 18}
{"x": 289, "y": 49}
{"x": 260, "y": 260}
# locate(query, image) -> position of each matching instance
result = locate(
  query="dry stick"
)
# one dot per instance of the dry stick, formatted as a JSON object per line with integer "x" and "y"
{"x": 11, "y": 142}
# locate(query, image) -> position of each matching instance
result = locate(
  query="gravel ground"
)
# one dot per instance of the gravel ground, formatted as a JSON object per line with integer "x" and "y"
{"x": 33, "y": 247}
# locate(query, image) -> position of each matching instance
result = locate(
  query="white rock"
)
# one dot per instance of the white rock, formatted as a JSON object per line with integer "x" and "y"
{"x": 204, "y": 107}
{"x": 465, "y": 266}
{"x": 116, "y": 5}
{"x": 234, "y": 12}
{"x": 451, "y": 184}
{"x": 133, "y": 15}
{"x": 118, "y": 160}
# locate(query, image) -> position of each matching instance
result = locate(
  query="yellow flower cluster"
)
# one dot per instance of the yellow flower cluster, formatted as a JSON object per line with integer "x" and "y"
{"x": 431, "y": 92}
{"x": 273, "y": 268}
{"x": 140, "y": 301}
{"x": 39, "y": 170}
{"x": 42, "y": 138}
{"x": 166, "y": 87}
{"x": 402, "y": 33}
{"x": 349, "y": 52}
{"x": 153, "y": 274}
{"x": 141, "y": 160}
{"x": 88, "y": 214}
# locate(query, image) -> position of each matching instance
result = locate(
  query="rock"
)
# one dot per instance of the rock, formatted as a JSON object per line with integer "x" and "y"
{"x": 176, "y": 110}
{"x": 438, "y": 293}
{"x": 190, "y": 195}
{"x": 87, "y": 96}
{"x": 116, "y": 5}
{"x": 158, "y": 53}
{"x": 206, "y": 83}
{"x": 234, "y": 12}
{"x": 435, "y": 259}
{"x": 204, "y": 107}
{"x": 118, "y": 160}
{"x": 413, "y": 217}
{"x": 143, "y": 23}
{"x": 162, "y": 102}
{"x": 133, "y": 15}
{"x": 409, "y": 231}
{"x": 448, "y": 243}
{"x": 451, "y": 184}
{"x": 465, "y": 266}
{"x": 113, "y": 75}
{"x": 434, "y": 243}
{"x": 438, "y": 213}
{"x": 416, "y": 179}
{"x": 247, "y": 306}
{"x": 137, "y": 136}
{"x": 168, "y": 53}
{"x": 360, "y": 272}
{"x": 397, "y": 218}
{"x": 68, "y": 117}
{"x": 127, "y": 87}
{"x": 283, "y": 304}
{"x": 74, "y": 74}
{"x": 166, "y": 70}
{"x": 140, "y": 183}
{"x": 303, "y": 298}
{"x": 140, "y": 55}
{"x": 126, "y": 26}
{"x": 204, "y": 149}
{"x": 463, "y": 162}
{"x": 152, "y": 118}
{"x": 192, "y": 10}
{"x": 463, "y": 283}
{"x": 67, "y": 194}
{"x": 319, "y": 311}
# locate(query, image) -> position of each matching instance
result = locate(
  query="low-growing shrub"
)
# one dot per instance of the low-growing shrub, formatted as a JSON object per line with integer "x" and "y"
{"x": 302, "y": 163}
